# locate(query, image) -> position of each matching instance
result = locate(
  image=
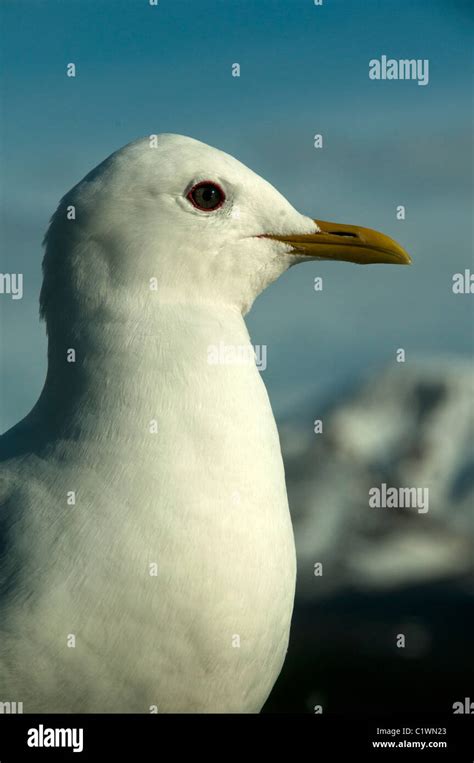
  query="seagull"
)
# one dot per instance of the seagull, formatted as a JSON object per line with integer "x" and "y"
{"x": 147, "y": 559}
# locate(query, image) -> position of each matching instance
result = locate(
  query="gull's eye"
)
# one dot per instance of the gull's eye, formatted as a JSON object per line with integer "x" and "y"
{"x": 207, "y": 196}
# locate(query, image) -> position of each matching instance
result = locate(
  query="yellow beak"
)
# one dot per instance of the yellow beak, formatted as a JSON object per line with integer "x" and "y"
{"x": 346, "y": 242}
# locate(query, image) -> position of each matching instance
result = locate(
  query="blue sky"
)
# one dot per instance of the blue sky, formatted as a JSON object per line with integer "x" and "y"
{"x": 304, "y": 70}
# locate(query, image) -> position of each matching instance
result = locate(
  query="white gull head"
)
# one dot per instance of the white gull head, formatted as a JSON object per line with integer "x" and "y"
{"x": 193, "y": 218}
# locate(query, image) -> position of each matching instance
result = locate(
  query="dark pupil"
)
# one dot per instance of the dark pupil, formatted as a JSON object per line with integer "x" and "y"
{"x": 207, "y": 196}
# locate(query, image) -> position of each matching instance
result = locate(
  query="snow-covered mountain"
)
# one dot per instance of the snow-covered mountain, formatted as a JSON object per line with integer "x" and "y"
{"x": 412, "y": 426}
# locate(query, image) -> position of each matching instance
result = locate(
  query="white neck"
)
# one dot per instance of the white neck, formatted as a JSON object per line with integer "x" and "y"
{"x": 130, "y": 374}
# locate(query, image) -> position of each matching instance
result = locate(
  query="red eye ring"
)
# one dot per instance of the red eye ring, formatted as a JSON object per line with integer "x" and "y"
{"x": 206, "y": 196}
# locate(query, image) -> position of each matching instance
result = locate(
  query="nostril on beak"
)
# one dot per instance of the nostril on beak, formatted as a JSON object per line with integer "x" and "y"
{"x": 343, "y": 233}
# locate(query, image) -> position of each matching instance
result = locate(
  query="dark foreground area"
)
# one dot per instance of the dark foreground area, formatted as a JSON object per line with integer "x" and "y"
{"x": 344, "y": 657}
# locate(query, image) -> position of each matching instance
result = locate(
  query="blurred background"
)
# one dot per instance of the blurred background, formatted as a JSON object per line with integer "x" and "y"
{"x": 331, "y": 354}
